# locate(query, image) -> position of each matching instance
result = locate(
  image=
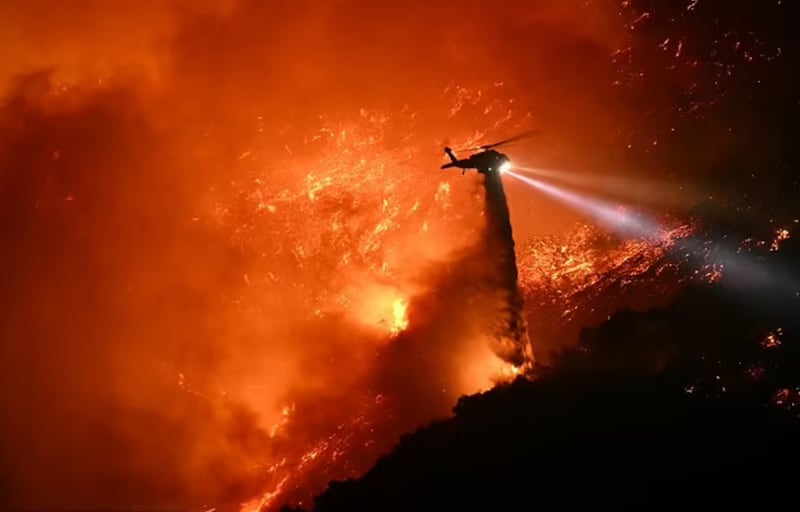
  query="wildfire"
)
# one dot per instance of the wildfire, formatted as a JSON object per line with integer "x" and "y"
{"x": 399, "y": 315}
{"x": 380, "y": 236}
{"x": 267, "y": 501}
{"x": 561, "y": 271}
{"x": 274, "y": 231}
{"x": 357, "y": 238}
{"x": 333, "y": 262}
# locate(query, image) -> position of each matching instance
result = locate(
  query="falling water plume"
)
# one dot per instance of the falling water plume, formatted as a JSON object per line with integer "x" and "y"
{"x": 511, "y": 332}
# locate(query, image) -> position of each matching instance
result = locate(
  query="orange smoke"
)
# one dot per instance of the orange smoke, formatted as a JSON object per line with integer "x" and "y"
{"x": 231, "y": 265}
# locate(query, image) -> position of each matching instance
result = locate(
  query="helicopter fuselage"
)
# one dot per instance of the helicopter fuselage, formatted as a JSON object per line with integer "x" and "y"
{"x": 488, "y": 161}
{"x": 485, "y": 162}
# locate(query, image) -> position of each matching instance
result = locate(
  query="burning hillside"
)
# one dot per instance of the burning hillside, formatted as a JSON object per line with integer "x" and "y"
{"x": 580, "y": 277}
{"x": 338, "y": 254}
{"x": 231, "y": 267}
{"x": 603, "y": 279}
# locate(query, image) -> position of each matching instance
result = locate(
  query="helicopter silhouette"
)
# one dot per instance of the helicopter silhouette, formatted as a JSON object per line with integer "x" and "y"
{"x": 487, "y": 160}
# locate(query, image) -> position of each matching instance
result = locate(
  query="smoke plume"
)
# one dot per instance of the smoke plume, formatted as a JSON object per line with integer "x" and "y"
{"x": 226, "y": 251}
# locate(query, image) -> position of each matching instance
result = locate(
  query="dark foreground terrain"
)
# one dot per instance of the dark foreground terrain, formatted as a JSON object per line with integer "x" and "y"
{"x": 696, "y": 401}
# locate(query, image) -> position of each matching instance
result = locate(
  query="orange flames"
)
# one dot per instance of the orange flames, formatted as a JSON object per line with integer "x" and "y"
{"x": 399, "y": 315}
{"x": 357, "y": 222}
{"x": 561, "y": 268}
{"x": 379, "y": 235}
{"x": 230, "y": 258}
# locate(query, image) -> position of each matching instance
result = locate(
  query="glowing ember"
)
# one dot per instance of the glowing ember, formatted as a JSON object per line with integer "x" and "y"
{"x": 772, "y": 339}
{"x": 780, "y": 235}
{"x": 787, "y": 399}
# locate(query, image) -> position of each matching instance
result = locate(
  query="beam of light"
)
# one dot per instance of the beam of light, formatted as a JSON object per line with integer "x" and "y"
{"x": 607, "y": 214}
{"x": 754, "y": 278}
{"x": 745, "y": 273}
{"x": 660, "y": 192}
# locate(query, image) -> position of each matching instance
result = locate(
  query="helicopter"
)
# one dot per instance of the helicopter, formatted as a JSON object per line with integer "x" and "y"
{"x": 487, "y": 160}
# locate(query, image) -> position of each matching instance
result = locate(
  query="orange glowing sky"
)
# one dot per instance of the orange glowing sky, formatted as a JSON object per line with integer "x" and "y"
{"x": 223, "y": 221}
{"x": 227, "y": 63}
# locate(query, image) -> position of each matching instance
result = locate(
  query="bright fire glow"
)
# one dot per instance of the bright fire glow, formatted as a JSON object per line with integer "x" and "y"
{"x": 399, "y": 315}
{"x": 278, "y": 244}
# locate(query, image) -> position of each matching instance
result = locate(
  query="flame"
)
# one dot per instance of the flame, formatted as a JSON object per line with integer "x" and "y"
{"x": 563, "y": 271}
{"x": 374, "y": 281}
{"x": 384, "y": 228}
{"x": 482, "y": 369}
{"x": 338, "y": 239}
{"x": 267, "y": 228}
{"x": 399, "y": 315}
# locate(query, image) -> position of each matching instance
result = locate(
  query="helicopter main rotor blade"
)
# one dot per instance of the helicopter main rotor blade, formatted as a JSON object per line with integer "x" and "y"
{"x": 524, "y": 135}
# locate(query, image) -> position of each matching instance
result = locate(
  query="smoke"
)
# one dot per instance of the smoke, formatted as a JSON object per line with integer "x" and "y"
{"x": 106, "y": 279}
{"x": 466, "y": 330}
{"x": 208, "y": 214}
